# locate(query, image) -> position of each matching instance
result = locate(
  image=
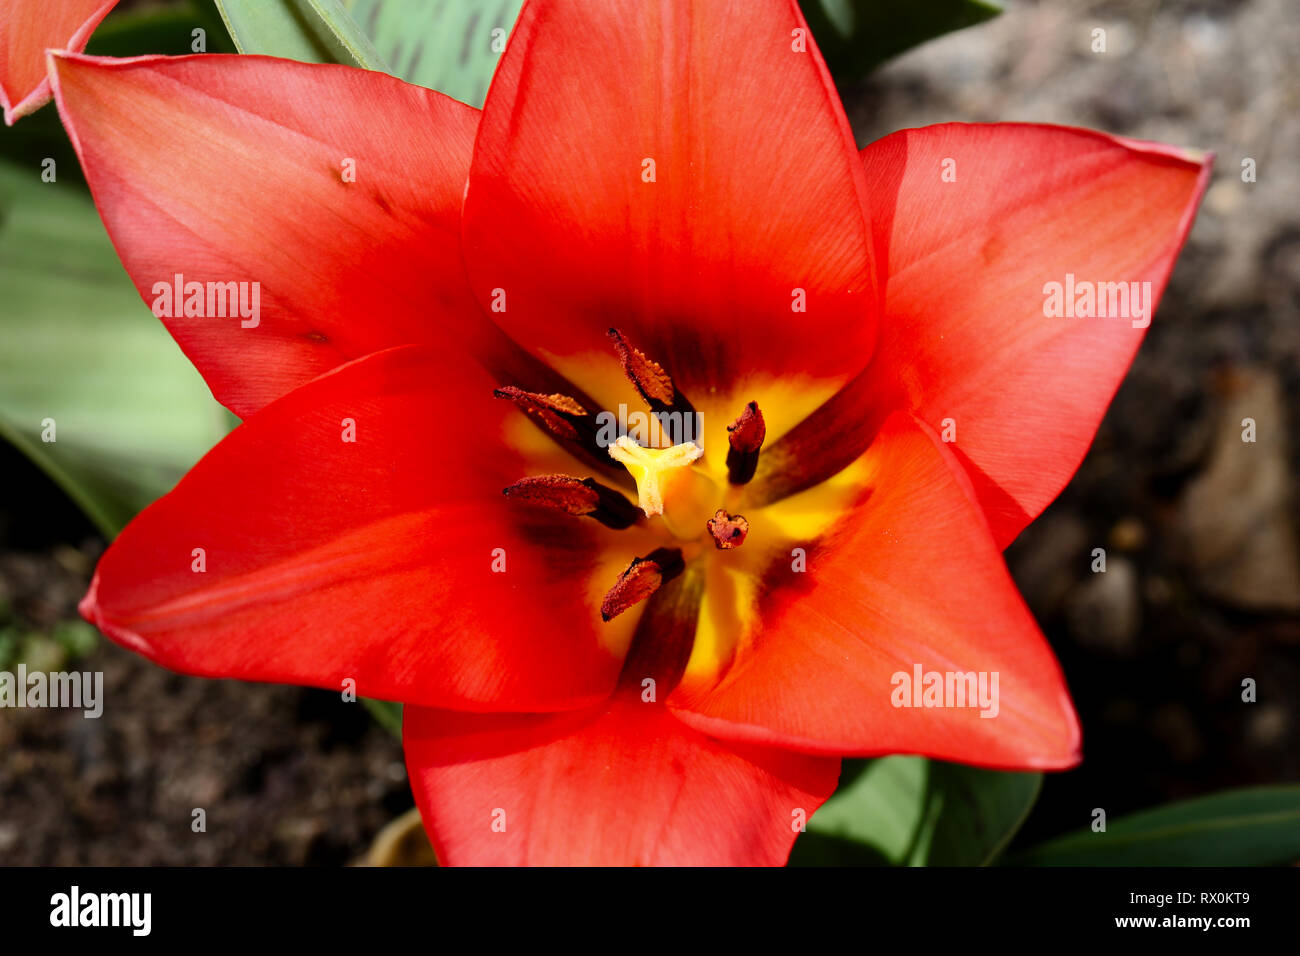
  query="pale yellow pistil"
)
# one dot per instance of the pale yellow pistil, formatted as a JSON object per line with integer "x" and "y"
{"x": 654, "y": 469}
{"x": 668, "y": 486}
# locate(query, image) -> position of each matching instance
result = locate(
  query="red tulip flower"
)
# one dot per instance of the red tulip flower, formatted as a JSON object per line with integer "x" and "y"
{"x": 27, "y": 29}
{"x": 641, "y": 652}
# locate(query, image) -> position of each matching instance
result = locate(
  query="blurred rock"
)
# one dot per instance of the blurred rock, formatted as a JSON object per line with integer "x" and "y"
{"x": 1269, "y": 726}
{"x": 1047, "y": 559}
{"x": 1104, "y": 611}
{"x": 1128, "y": 534}
{"x": 1237, "y": 518}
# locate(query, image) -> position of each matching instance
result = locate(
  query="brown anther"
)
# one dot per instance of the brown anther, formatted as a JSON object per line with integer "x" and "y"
{"x": 728, "y": 530}
{"x": 555, "y": 412}
{"x": 647, "y": 375}
{"x": 642, "y": 578}
{"x": 576, "y": 496}
{"x": 745, "y": 436}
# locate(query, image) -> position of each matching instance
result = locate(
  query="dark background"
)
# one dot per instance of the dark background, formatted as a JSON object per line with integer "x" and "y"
{"x": 1203, "y": 580}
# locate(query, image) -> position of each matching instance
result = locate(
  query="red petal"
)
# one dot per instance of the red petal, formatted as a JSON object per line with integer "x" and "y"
{"x": 910, "y": 577}
{"x": 230, "y": 168}
{"x": 756, "y": 192}
{"x": 623, "y": 784}
{"x": 371, "y": 560}
{"x": 965, "y": 336}
{"x": 27, "y": 29}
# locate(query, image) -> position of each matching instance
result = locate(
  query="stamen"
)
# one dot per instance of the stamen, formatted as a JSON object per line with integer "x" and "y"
{"x": 728, "y": 530}
{"x": 584, "y": 497}
{"x": 651, "y": 467}
{"x": 647, "y": 375}
{"x": 555, "y": 412}
{"x": 745, "y": 436}
{"x": 642, "y": 578}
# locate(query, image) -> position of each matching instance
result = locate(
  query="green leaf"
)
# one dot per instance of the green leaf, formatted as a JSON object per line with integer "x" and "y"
{"x": 874, "y": 816}
{"x": 856, "y": 36}
{"x": 917, "y": 812}
{"x": 314, "y": 31}
{"x": 449, "y": 47}
{"x": 1255, "y": 826}
{"x": 975, "y": 813}
{"x": 130, "y": 413}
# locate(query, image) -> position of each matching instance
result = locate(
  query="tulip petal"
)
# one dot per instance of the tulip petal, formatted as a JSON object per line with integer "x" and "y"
{"x": 337, "y": 190}
{"x": 965, "y": 335}
{"x": 622, "y": 784}
{"x": 27, "y": 29}
{"x": 909, "y": 577}
{"x": 392, "y": 560}
{"x": 689, "y": 178}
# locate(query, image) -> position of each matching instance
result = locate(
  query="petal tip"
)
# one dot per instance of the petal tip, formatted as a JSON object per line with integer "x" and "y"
{"x": 87, "y": 607}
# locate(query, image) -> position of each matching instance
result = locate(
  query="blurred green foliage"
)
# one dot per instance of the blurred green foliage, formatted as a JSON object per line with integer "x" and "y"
{"x": 856, "y": 36}
{"x": 447, "y": 47}
{"x": 61, "y": 646}
{"x": 1253, "y": 826}
{"x": 92, "y": 388}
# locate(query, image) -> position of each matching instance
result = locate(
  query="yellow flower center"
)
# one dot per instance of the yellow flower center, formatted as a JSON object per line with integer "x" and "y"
{"x": 696, "y": 516}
